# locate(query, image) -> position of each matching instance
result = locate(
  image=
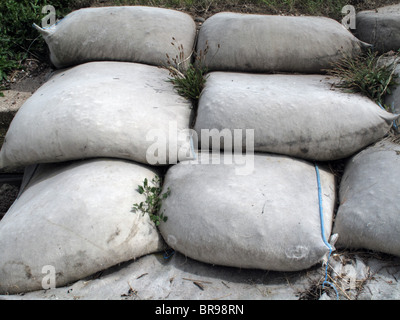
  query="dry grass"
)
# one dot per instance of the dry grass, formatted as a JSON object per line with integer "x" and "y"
{"x": 341, "y": 281}
{"x": 365, "y": 74}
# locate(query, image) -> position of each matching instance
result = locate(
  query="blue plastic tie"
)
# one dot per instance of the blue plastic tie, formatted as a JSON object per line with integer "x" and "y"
{"x": 168, "y": 253}
{"x": 321, "y": 215}
{"x": 394, "y": 121}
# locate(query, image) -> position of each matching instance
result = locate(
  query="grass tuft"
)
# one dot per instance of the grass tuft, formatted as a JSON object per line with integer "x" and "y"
{"x": 154, "y": 197}
{"x": 187, "y": 77}
{"x": 367, "y": 74}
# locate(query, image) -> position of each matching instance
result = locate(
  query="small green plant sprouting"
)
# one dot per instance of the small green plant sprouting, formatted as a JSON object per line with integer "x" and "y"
{"x": 154, "y": 198}
{"x": 188, "y": 77}
{"x": 366, "y": 74}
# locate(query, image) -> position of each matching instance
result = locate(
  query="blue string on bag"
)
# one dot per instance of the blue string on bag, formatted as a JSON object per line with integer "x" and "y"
{"x": 321, "y": 215}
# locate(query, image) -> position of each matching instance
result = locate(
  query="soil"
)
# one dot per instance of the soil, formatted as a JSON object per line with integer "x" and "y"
{"x": 8, "y": 194}
{"x": 21, "y": 84}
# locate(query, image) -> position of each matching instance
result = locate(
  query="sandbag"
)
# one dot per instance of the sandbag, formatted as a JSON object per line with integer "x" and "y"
{"x": 126, "y": 33}
{"x": 75, "y": 219}
{"x": 380, "y": 27}
{"x": 296, "y": 115}
{"x": 267, "y": 219}
{"x": 369, "y": 213}
{"x": 266, "y": 43}
{"x": 99, "y": 109}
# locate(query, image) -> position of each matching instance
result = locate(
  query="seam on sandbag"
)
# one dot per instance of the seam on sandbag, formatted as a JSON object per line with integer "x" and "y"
{"x": 23, "y": 186}
{"x": 394, "y": 121}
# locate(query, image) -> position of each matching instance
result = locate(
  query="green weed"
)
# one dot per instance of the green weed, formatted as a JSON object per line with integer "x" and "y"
{"x": 154, "y": 198}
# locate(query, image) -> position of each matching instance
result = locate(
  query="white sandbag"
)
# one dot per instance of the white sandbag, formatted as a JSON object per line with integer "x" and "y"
{"x": 380, "y": 27}
{"x": 264, "y": 43}
{"x": 126, "y": 33}
{"x": 268, "y": 219}
{"x": 99, "y": 109}
{"x": 369, "y": 213}
{"x": 296, "y": 115}
{"x": 75, "y": 219}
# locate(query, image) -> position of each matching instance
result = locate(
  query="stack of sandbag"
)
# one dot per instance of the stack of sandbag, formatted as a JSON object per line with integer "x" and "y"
{"x": 111, "y": 117}
{"x": 103, "y": 108}
{"x": 369, "y": 213}
{"x": 256, "y": 218}
{"x": 88, "y": 132}
{"x": 299, "y": 115}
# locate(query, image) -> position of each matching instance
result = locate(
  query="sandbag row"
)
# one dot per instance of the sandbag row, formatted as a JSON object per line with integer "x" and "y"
{"x": 121, "y": 109}
{"x": 235, "y": 42}
{"x": 129, "y": 111}
{"x": 76, "y": 218}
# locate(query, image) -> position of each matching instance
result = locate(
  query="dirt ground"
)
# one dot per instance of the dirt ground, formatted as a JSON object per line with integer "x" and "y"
{"x": 21, "y": 84}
